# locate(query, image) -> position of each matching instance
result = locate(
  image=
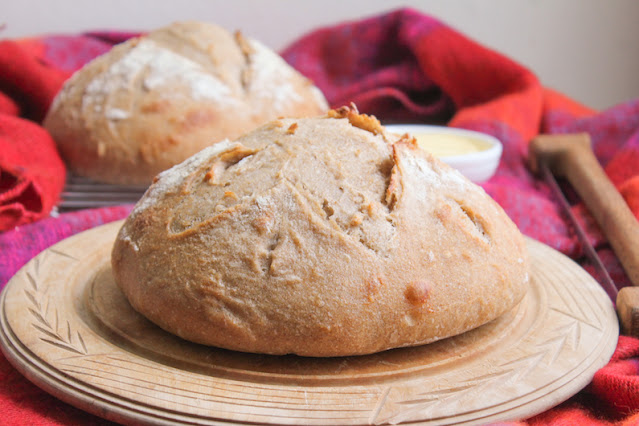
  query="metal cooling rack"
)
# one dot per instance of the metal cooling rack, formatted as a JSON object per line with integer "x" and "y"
{"x": 84, "y": 193}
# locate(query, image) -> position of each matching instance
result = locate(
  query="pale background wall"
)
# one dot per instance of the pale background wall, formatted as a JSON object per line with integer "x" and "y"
{"x": 587, "y": 49}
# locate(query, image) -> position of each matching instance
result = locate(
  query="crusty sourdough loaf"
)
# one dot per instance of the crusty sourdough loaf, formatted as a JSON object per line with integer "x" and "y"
{"x": 321, "y": 236}
{"x": 154, "y": 101}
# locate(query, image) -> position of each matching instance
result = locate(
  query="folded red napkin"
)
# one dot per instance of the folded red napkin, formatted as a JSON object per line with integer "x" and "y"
{"x": 31, "y": 171}
{"x": 401, "y": 66}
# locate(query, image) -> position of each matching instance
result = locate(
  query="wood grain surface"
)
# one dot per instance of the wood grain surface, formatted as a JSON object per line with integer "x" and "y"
{"x": 66, "y": 326}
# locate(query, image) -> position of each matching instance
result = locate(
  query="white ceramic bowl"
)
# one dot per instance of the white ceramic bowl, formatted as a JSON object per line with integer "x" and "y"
{"x": 476, "y": 155}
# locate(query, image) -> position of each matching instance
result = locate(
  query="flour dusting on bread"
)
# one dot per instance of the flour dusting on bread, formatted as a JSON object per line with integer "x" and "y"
{"x": 171, "y": 179}
{"x": 157, "y": 67}
{"x": 271, "y": 78}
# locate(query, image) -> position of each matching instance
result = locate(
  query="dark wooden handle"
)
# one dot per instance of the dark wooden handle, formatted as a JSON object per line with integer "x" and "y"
{"x": 570, "y": 156}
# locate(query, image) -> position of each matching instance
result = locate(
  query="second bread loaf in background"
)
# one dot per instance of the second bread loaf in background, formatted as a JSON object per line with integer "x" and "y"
{"x": 155, "y": 100}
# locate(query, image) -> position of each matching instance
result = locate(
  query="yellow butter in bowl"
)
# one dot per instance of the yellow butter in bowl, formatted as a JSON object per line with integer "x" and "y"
{"x": 447, "y": 145}
{"x": 476, "y": 155}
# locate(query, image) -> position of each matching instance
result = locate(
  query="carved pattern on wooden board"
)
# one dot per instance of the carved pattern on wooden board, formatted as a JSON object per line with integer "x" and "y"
{"x": 564, "y": 332}
{"x": 45, "y": 316}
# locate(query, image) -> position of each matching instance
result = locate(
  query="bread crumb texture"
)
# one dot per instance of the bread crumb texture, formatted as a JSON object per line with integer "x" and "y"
{"x": 153, "y": 101}
{"x": 322, "y": 236}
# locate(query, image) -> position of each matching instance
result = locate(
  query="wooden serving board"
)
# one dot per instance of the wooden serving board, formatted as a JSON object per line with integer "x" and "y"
{"x": 66, "y": 326}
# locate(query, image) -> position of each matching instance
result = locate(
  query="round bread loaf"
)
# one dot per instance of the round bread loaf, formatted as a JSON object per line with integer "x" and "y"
{"x": 153, "y": 101}
{"x": 321, "y": 236}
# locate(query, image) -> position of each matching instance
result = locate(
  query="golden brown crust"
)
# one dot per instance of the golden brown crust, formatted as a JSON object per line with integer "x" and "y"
{"x": 363, "y": 121}
{"x": 297, "y": 246}
{"x": 153, "y": 101}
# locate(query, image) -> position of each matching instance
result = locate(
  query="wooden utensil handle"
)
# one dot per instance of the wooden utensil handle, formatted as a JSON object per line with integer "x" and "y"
{"x": 571, "y": 156}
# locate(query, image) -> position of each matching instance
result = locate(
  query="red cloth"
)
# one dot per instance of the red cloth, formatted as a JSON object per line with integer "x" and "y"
{"x": 31, "y": 171}
{"x": 401, "y": 66}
